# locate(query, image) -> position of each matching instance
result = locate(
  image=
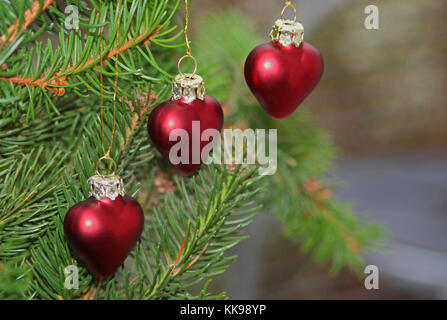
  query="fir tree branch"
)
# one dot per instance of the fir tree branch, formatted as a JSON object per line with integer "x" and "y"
{"x": 146, "y": 103}
{"x": 45, "y": 164}
{"x": 324, "y": 226}
{"x": 29, "y": 17}
{"x": 319, "y": 195}
{"x": 41, "y": 82}
{"x": 26, "y": 84}
{"x": 91, "y": 292}
{"x": 58, "y": 81}
{"x": 215, "y": 227}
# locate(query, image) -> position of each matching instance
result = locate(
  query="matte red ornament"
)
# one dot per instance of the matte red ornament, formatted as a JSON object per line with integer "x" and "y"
{"x": 103, "y": 232}
{"x": 282, "y": 73}
{"x": 188, "y": 109}
{"x": 180, "y": 114}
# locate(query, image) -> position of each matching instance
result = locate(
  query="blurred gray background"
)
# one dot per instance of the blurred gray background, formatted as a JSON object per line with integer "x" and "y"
{"x": 384, "y": 99}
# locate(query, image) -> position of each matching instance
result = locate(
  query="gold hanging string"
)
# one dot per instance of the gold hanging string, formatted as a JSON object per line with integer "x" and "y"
{"x": 101, "y": 90}
{"x": 288, "y": 5}
{"x": 188, "y": 47}
{"x": 106, "y": 155}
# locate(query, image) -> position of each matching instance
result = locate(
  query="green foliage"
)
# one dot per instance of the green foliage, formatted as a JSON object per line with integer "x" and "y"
{"x": 47, "y": 155}
{"x": 70, "y": 58}
{"x": 50, "y": 142}
{"x": 14, "y": 279}
{"x": 311, "y": 215}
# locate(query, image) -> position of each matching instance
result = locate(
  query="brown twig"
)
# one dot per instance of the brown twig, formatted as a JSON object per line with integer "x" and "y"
{"x": 197, "y": 257}
{"x": 87, "y": 295}
{"x": 59, "y": 78}
{"x": 163, "y": 183}
{"x": 174, "y": 270}
{"x": 145, "y": 102}
{"x": 133, "y": 281}
{"x": 29, "y": 15}
{"x": 319, "y": 194}
{"x": 352, "y": 243}
{"x": 315, "y": 187}
{"x": 145, "y": 36}
{"x": 41, "y": 82}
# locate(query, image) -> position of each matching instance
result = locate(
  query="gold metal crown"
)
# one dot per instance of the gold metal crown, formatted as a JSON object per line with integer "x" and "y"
{"x": 110, "y": 186}
{"x": 188, "y": 86}
{"x": 287, "y": 32}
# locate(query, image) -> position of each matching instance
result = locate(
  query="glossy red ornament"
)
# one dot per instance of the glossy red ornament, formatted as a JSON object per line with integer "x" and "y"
{"x": 179, "y": 114}
{"x": 103, "y": 232}
{"x": 282, "y": 76}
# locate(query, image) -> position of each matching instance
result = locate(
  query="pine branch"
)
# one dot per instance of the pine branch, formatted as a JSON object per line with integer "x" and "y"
{"x": 23, "y": 23}
{"x": 14, "y": 279}
{"x": 58, "y": 81}
{"x": 40, "y": 242}
{"x": 72, "y": 64}
{"x": 190, "y": 223}
{"x": 51, "y": 254}
{"x": 311, "y": 215}
{"x": 208, "y": 228}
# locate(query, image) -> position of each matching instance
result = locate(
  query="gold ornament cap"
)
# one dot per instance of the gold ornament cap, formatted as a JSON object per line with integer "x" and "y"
{"x": 189, "y": 86}
{"x": 287, "y": 32}
{"x": 110, "y": 186}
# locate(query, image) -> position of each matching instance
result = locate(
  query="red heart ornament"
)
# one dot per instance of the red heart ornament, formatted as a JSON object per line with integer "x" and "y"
{"x": 282, "y": 76}
{"x": 179, "y": 114}
{"x": 103, "y": 232}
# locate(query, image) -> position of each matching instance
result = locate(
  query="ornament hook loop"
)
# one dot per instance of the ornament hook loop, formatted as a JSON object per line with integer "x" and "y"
{"x": 179, "y": 65}
{"x": 106, "y": 157}
{"x": 289, "y": 5}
